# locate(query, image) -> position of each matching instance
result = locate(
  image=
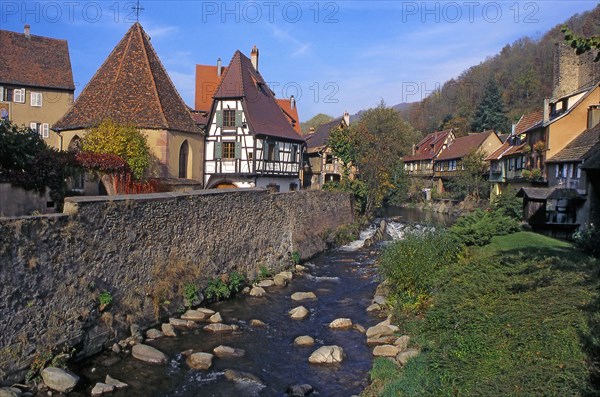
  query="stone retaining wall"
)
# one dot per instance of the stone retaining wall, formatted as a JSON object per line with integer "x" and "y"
{"x": 143, "y": 249}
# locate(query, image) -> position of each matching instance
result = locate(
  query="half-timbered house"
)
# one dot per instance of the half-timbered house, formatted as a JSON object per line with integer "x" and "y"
{"x": 250, "y": 141}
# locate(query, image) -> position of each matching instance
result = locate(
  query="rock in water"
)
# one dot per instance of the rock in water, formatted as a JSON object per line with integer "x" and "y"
{"x": 153, "y": 334}
{"x": 327, "y": 355}
{"x": 379, "y": 330}
{"x": 227, "y": 351}
{"x": 257, "y": 291}
{"x": 266, "y": 283}
{"x": 216, "y": 318}
{"x": 194, "y": 315}
{"x": 10, "y": 392}
{"x": 341, "y": 323}
{"x": 102, "y": 388}
{"x": 201, "y": 361}
{"x": 280, "y": 281}
{"x": 59, "y": 379}
{"x": 298, "y": 313}
{"x": 385, "y": 351}
{"x": 218, "y": 327}
{"x": 116, "y": 383}
{"x": 299, "y": 390}
{"x": 168, "y": 330}
{"x": 239, "y": 376}
{"x": 300, "y": 296}
{"x": 304, "y": 340}
{"x": 148, "y": 354}
{"x": 288, "y": 276}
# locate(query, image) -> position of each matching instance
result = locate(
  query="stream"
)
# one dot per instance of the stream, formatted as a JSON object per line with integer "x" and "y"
{"x": 344, "y": 281}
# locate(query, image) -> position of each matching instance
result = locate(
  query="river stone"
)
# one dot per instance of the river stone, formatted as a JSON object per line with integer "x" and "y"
{"x": 385, "y": 351}
{"x": 193, "y": 315}
{"x": 304, "y": 340}
{"x": 257, "y": 291}
{"x": 384, "y": 340}
{"x": 177, "y": 322}
{"x": 153, "y": 334}
{"x": 168, "y": 330}
{"x": 379, "y": 299}
{"x": 379, "y": 330}
{"x": 299, "y": 390}
{"x": 266, "y": 283}
{"x": 406, "y": 355}
{"x": 148, "y": 354}
{"x": 300, "y": 268}
{"x": 375, "y": 307}
{"x": 280, "y": 280}
{"x": 300, "y": 296}
{"x": 216, "y": 318}
{"x": 205, "y": 310}
{"x": 136, "y": 331}
{"x": 287, "y": 275}
{"x": 327, "y": 355}
{"x": 116, "y": 383}
{"x": 257, "y": 323}
{"x": 240, "y": 376}
{"x": 298, "y": 313}
{"x": 59, "y": 379}
{"x": 218, "y": 327}
{"x": 102, "y": 388}
{"x": 199, "y": 361}
{"x": 360, "y": 328}
{"x": 402, "y": 342}
{"x": 227, "y": 351}
{"x": 341, "y": 323}
{"x": 10, "y": 392}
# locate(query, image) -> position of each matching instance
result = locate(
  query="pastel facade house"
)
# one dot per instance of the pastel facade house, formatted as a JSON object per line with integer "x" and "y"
{"x": 320, "y": 165}
{"x": 250, "y": 140}
{"x": 36, "y": 81}
{"x": 133, "y": 87}
{"x": 448, "y": 164}
{"x": 420, "y": 162}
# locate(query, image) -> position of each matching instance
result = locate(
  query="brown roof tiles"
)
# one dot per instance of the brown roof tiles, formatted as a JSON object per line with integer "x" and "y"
{"x": 463, "y": 145}
{"x": 35, "y": 61}
{"x": 580, "y": 147}
{"x": 429, "y": 147}
{"x": 131, "y": 86}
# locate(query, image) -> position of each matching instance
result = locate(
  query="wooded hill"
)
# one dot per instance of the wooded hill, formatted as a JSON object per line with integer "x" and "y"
{"x": 523, "y": 71}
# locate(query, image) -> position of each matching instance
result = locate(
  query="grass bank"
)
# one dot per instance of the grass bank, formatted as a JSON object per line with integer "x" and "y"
{"x": 517, "y": 317}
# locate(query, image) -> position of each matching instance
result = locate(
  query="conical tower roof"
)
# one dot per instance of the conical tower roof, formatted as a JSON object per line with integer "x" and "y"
{"x": 131, "y": 87}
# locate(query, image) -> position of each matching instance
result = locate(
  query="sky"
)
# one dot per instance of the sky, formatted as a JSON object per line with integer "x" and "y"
{"x": 333, "y": 56}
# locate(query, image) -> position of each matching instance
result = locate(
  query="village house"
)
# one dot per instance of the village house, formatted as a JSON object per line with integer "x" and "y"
{"x": 132, "y": 87}
{"x": 420, "y": 162}
{"x": 320, "y": 165}
{"x": 448, "y": 164}
{"x": 251, "y": 141}
{"x": 36, "y": 82}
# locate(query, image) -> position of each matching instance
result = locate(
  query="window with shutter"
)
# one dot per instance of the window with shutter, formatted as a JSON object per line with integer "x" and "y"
{"x": 238, "y": 150}
{"x": 238, "y": 118}
{"x": 45, "y": 130}
{"x": 219, "y": 117}
{"x": 229, "y": 119}
{"x": 218, "y": 150}
{"x": 1, "y": 94}
{"x": 229, "y": 150}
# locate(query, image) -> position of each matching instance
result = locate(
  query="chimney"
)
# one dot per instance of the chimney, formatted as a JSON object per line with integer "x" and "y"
{"x": 27, "y": 30}
{"x": 546, "y": 112}
{"x": 414, "y": 149}
{"x": 219, "y": 67}
{"x": 513, "y": 129}
{"x": 347, "y": 118}
{"x": 292, "y": 102}
{"x": 254, "y": 57}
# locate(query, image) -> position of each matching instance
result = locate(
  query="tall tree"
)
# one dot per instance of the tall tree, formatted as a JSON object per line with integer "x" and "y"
{"x": 490, "y": 114}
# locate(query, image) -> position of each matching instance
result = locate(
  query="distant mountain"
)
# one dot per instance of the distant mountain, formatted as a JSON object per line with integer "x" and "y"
{"x": 401, "y": 107}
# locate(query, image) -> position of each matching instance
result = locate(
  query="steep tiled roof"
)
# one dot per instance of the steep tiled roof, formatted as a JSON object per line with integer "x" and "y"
{"x": 507, "y": 149}
{"x": 529, "y": 121}
{"x": 291, "y": 113}
{"x": 580, "y": 147}
{"x": 463, "y": 145}
{"x": 318, "y": 139}
{"x": 207, "y": 82}
{"x": 35, "y": 61}
{"x": 264, "y": 116}
{"x": 429, "y": 147}
{"x": 132, "y": 86}
{"x": 593, "y": 161}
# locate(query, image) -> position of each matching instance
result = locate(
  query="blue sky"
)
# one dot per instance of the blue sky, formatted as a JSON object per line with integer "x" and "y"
{"x": 332, "y": 55}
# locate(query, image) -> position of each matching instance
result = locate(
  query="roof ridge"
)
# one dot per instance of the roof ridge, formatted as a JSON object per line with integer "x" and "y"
{"x": 152, "y": 77}
{"x": 118, "y": 74}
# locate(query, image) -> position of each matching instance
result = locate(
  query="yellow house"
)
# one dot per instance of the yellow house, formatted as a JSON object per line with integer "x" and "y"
{"x": 36, "y": 81}
{"x": 133, "y": 87}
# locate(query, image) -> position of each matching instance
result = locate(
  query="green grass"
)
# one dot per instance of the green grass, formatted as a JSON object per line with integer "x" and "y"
{"x": 518, "y": 317}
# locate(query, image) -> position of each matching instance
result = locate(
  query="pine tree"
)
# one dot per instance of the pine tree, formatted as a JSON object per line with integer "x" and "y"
{"x": 490, "y": 114}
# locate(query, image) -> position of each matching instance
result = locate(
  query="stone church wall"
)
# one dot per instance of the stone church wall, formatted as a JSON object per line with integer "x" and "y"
{"x": 142, "y": 249}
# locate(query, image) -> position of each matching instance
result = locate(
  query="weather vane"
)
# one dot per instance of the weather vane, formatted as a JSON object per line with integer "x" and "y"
{"x": 137, "y": 10}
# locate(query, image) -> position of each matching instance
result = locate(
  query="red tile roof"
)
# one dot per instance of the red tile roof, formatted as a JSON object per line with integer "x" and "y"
{"x": 429, "y": 147}
{"x": 264, "y": 116}
{"x": 131, "y": 86}
{"x": 528, "y": 121}
{"x": 207, "y": 82}
{"x": 463, "y": 145}
{"x": 291, "y": 113}
{"x": 506, "y": 150}
{"x": 35, "y": 61}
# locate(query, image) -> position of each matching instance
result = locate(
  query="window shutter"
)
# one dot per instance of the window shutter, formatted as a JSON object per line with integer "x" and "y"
{"x": 276, "y": 152}
{"x": 238, "y": 150}
{"x": 33, "y": 126}
{"x": 238, "y": 118}
{"x": 45, "y": 130}
{"x": 219, "y": 118}
{"x": 218, "y": 150}
{"x": 1, "y": 94}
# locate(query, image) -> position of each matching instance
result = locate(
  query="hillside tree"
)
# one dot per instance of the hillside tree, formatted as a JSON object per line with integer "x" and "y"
{"x": 490, "y": 114}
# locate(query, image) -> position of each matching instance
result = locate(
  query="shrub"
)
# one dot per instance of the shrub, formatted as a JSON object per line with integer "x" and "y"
{"x": 263, "y": 272}
{"x": 295, "y": 258}
{"x": 190, "y": 294}
{"x": 105, "y": 298}
{"x": 216, "y": 289}
{"x": 411, "y": 266}
{"x": 587, "y": 240}
{"x": 236, "y": 282}
{"x": 509, "y": 203}
{"x": 478, "y": 227}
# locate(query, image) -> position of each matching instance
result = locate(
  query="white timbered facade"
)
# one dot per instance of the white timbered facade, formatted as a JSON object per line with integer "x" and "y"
{"x": 249, "y": 143}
